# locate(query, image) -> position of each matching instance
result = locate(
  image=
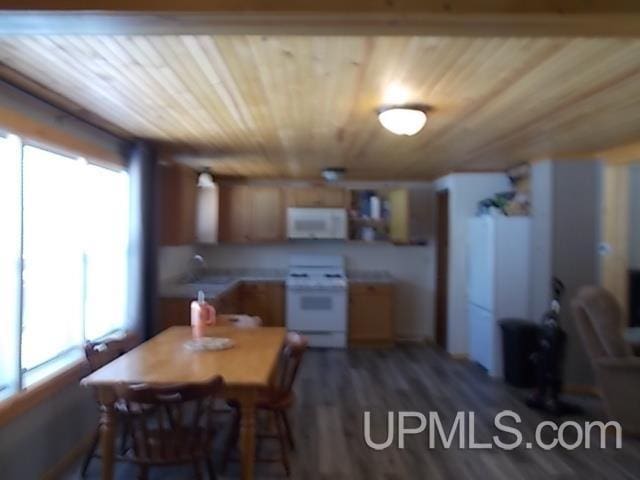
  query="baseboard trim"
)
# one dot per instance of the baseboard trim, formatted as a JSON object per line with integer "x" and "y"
{"x": 65, "y": 463}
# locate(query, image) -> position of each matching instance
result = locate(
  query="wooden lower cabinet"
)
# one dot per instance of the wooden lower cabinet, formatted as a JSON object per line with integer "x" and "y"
{"x": 371, "y": 314}
{"x": 172, "y": 312}
{"x": 177, "y": 311}
{"x": 264, "y": 300}
{"x": 228, "y": 302}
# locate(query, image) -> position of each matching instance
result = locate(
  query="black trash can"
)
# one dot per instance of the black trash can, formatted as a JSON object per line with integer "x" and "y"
{"x": 519, "y": 342}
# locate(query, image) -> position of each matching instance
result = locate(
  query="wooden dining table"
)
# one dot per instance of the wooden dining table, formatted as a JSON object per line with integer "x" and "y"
{"x": 246, "y": 368}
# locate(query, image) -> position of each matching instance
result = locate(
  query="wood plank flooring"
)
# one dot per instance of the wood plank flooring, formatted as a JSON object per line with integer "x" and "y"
{"x": 335, "y": 387}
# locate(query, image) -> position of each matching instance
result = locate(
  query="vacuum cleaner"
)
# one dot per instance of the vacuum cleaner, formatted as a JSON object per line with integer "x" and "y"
{"x": 549, "y": 360}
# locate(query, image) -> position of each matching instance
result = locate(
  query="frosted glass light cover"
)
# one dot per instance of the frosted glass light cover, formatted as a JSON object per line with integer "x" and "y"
{"x": 403, "y": 121}
{"x": 207, "y": 214}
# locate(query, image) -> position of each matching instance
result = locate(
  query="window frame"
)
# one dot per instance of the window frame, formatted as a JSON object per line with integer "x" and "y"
{"x": 24, "y": 394}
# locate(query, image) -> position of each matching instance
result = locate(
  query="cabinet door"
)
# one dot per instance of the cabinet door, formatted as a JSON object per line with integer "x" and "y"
{"x": 264, "y": 300}
{"x": 317, "y": 197}
{"x": 228, "y": 302}
{"x": 371, "y": 314}
{"x": 276, "y": 305}
{"x": 333, "y": 197}
{"x": 178, "y": 192}
{"x": 399, "y": 215}
{"x": 235, "y": 213}
{"x": 173, "y": 311}
{"x": 267, "y": 214}
{"x": 481, "y": 337}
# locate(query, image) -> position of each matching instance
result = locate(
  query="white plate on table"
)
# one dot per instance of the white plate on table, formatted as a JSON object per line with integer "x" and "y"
{"x": 208, "y": 344}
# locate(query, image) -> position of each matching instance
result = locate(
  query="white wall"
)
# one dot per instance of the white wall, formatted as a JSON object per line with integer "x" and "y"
{"x": 411, "y": 266}
{"x": 174, "y": 261}
{"x": 566, "y": 205}
{"x": 465, "y": 191}
{"x": 541, "y": 236}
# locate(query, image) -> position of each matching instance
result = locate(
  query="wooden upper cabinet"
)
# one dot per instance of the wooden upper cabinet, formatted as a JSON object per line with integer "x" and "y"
{"x": 251, "y": 214}
{"x": 178, "y": 196}
{"x": 235, "y": 212}
{"x": 399, "y": 215}
{"x": 410, "y": 215}
{"x": 322, "y": 197}
{"x": 267, "y": 214}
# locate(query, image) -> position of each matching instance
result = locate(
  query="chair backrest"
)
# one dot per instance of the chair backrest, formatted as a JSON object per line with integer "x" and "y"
{"x": 100, "y": 353}
{"x": 176, "y": 424}
{"x": 600, "y": 323}
{"x": 291, "y": 358}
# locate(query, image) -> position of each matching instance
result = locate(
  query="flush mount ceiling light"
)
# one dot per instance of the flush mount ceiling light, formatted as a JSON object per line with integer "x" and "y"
{"x": 205, "y": 179}
{"x": 403, "y": 119}
{"x": 333, "y": 174}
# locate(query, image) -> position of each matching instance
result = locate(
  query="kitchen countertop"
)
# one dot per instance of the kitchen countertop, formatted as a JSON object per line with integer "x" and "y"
{"x": 217, "y": 282}
{"x": 370, "y": 276}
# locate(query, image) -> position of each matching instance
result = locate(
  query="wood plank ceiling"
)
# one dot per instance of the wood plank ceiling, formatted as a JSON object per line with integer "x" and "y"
{"x": 287, "y": 106}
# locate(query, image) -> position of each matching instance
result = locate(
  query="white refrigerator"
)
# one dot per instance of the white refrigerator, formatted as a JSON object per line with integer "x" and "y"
{"x": 497, "y": 283}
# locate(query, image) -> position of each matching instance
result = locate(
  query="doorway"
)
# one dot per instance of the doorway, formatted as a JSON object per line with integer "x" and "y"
{"x": 442, "y": 266}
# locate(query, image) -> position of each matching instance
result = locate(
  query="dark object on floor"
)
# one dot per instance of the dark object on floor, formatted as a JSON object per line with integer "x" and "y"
{"x": 549, "y": 360}
{"x": 519, "y": 343}
{"x": 601, "y": 324}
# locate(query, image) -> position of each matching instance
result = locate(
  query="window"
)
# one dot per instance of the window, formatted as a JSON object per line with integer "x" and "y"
{"x": 10, "y": 246}
{"x": 63, "y": 260}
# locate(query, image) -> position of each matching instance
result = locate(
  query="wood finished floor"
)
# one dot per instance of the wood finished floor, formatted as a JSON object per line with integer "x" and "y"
{"x": 335, "y": 388}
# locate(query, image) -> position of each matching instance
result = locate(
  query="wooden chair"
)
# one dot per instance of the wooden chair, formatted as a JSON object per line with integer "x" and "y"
{"x": 98, "y": 354}
{"x": 177, "y": 430}
{"x": 277, "y": 400}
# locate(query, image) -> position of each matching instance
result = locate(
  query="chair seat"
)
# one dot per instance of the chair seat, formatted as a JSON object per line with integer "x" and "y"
{"x": 271, "y": 399}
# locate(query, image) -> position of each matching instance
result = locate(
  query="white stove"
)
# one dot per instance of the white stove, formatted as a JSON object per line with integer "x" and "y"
{"x": 317, "y": 299}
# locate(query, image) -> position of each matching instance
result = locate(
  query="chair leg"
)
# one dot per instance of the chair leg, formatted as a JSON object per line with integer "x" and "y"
{"x": 283, "y": 443}
{"x": 287, "y": 427}
{"x": 143, "y": 472}
{"x": 197, "y": 471}
{"x": 210, "y": 470}
{"x": 90, "y": 453}
{"x": 123, "y": 436}
{"x": 232, "y": 441}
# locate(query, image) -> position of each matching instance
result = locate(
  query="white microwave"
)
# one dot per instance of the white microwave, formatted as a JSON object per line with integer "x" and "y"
{"x": 320, "y": 223}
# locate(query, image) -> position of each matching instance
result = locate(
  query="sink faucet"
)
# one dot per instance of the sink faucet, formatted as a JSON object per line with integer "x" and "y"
{"x": 197, "y": 266}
